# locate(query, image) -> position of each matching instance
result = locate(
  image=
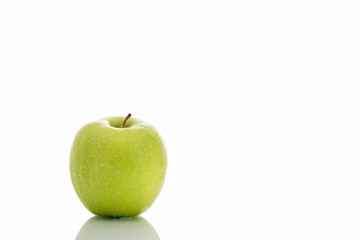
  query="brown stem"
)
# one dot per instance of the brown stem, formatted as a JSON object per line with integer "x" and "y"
{"x": 127, "y": 117}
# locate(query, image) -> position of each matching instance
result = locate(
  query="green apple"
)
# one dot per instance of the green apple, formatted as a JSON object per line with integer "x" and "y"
{"x": 100, "y": 228}
{"x": 118, "y": 166}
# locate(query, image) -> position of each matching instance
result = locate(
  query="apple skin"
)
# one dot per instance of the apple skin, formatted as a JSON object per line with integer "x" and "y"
{"x": 118, "y": 171}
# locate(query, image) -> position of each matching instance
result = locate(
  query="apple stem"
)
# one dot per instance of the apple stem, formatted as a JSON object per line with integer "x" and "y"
{"x": 127, "y": 117}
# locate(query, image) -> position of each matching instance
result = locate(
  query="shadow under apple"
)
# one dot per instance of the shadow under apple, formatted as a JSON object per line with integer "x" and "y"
{"x": 128, "y": 228}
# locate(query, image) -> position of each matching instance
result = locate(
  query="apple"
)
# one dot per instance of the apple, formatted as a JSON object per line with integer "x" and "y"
{"x": 118, "y": 166}
{"x": 134, "y": 228}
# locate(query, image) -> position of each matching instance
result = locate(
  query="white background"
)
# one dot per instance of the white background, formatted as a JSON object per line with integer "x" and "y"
{"x": 257, "y": 101}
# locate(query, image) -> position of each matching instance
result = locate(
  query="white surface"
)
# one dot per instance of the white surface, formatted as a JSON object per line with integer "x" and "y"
{"x": 257, "y": 101}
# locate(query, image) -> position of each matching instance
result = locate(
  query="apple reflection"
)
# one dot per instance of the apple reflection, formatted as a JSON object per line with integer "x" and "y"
{"x": 102, "y": 228}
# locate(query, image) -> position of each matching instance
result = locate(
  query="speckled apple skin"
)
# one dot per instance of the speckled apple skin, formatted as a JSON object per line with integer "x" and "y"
{"x": 118, "y": 171}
